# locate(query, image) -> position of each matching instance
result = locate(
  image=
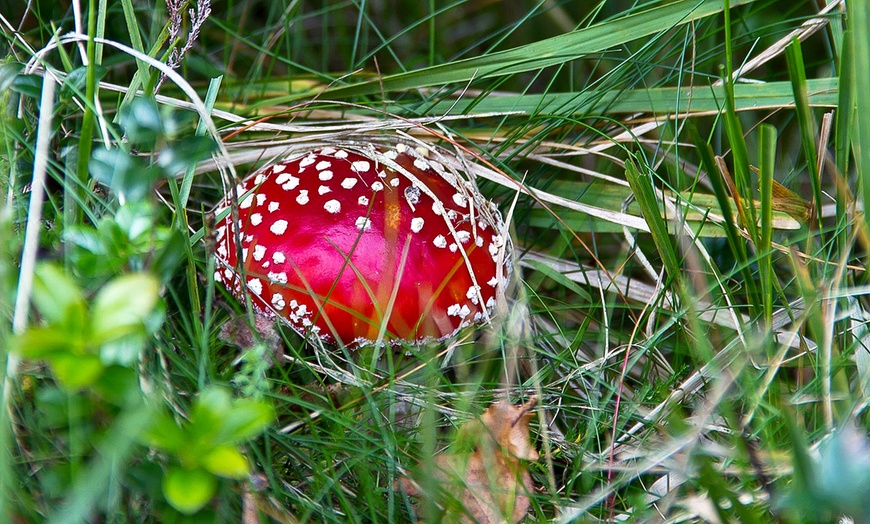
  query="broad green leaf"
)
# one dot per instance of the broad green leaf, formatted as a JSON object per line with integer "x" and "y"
{"x": 123, "y": 305}
{"x": 76, "y": 371}
{"x": 56, "y": 295}
{"x": 226, "y": 461}
{"x": 125, "y": 174}
{"x": 188, "y": 490}
{"x": 165, "y": 435}
{"x": 42, "y": 342}
{"x": 184, "y": 152}
{"x": 247, "y": 419}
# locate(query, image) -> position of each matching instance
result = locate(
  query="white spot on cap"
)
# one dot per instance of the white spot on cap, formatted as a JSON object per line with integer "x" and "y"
{"x": 256, "y": 219}
{"x": 493, "y": 250}
{"x": 416, "y": 224}
{"x": 392, "y": 155}
{"x": 278, "y": 227}
{"x": 492, "y": 282}
{"x": 401, "y": 148}
{"x": 332, "y": 206}
{"x": 246, "y": 202}
{"x": 255, "y": 285}
{"x": 363, "y": 200}
{"x": 327, "y": 151}
{"x": 259, "y": 252}
{"x": 307, "y": 161}
{"x": 478, "y": 241}
{"x": 278, "y": 168}
{"x": 440, "y": 241}
{"x": 453, "y": 248}
{"x": 382, "y": 174}
{"x": 436, "y": 208}
{"x": 273, "y": 206}
{"x": 490, "y": 303}
{"x": 325, "y": 175}
{"x": 261, "y": 197}
{"x": 377, "y": 186}
{"x": 463, "y": 236}
{"x": 278, "y": 301}
{"x": 348, "y": 183}
{"x": 394, "y": 182}
{"x": 218, "y": 277}
{"x": 465, "y": 311}
{"x": 287, "y": 181}
{"x": 323, "y": 164}
{"x": 363, "y": 223}
{"x": 259, "y": 179}
{"x": 421, "y": 164}
{"x": 279, "y": 258}
{"x": 458, "y": 311}
{"x": 322, "y": 190}
{"x": 280, "y": 278}
{"x": 302, "y": 199}
{"x": 412, "y": 195}
{"x": 341, "y": 153}
{"x": 472, "y": 294}
{"x": 361, "y": 166}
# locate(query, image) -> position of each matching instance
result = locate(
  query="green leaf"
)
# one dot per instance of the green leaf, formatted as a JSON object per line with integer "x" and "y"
{"x": 43, "y": 342}
{"x": 123, "y": 305}
{"x": 142, "y": 122}
{"x": 56, "y": 295}
{"x": 165, "y": 435}
{"x": 247, "y": 419}
{"x": 177, "y": 156}
{"x": 124, "y": 173}
{"x": 226, "y": 461}
{"x": 188, "y": 490}
{"x": 75, "y": 372}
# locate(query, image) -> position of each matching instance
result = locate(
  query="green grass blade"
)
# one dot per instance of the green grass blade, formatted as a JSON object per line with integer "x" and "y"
{"x": 806, "y": 123}
{"x": 859, "y": 16}
{"x": 552, "y": 51}
{"x": 765, "y": 263}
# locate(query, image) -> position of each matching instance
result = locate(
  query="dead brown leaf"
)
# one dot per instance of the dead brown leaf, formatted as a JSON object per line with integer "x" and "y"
{"x": 491, "y": 482}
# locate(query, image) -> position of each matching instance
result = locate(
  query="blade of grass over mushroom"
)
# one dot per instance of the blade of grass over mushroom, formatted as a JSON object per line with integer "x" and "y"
{"x": 859, "y": 15}
{"x": 552, "y": 51}
{"x": 642, "y": 186}
{"x": 807, "y": 124}
{"x": 765, "y": 266}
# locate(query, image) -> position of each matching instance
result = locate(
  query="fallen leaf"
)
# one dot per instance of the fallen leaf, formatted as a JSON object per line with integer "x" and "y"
{"x": 491, "y": 482}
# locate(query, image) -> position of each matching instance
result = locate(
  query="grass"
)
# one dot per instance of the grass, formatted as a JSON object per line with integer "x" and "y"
{"x": 684, "y": 180}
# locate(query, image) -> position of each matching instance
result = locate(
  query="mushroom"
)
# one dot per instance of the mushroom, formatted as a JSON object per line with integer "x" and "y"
{"x": 356, "y": 245}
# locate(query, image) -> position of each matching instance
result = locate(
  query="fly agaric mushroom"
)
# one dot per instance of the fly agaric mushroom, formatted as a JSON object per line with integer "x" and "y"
{"x": 358, "y": 244}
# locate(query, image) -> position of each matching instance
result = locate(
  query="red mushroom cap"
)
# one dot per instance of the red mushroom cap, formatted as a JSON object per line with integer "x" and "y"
{"x": 335, "y": 241}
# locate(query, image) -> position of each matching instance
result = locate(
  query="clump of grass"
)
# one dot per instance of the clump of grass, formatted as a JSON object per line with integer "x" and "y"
{"x": 688, "y": 304}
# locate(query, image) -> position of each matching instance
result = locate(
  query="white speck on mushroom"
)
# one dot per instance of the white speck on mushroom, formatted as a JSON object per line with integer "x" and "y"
{"x": 482, "y": 225}
{"x": 401, "y": 148}
{"x": 440, "y": 241}
{"x": 244, "y": 253}
{"x": 363, "y": 223}
{"x": 322, "y": 190}
{"x": 278, "y": 168}
{"x": 332, "y": 206}
{"x": 273, "y": 206}
{"x": 218, "y": 277}
{"x": 323, "y": 164}
{"x": 302, "y": 310}
{"x": 246, "y": 202}
{"x": 325, "y": 175}
{"x": 255, "y": 285}
{"x": 436, "y": 208}
{"x": 412, "y": 195}
{"x": 327, "y": 151}
{"x": 473, "y": 294}
{"x": 259, "y": 252}
{"x": 302, "y": 199}
{"x": 248, "y": 238}
{"x": 392, "y": 155}
{"x": 280, "y": 278}
{"x": 228, "y": 273}
{"x": 394, "y": 182}
{"x": 279, "y": 258}
{"x": 287, "y": 181}
{"x": 307, "y": 161}
{"x": 493, "y": 250}
{"x": 463, "y": 236}
{"x": 266, "y": 264}
{"x": 377, "y": 186}
{"x": 261, "y": 197}
{"x": 259, "y": 179}
{"x": 465, "y": 311}
{"x": 361, "y": 166}
{"x": 341, "y": 153}
{"x": 363, "y": 200}
{"x": 416, "y": 224}
{"x": 453, "y": 248}
{"x": 421, "y": 164}
{"x": 348, "y": 183}
{"x": 490, "y": 303}
{"x": 222, "y": 251}
{"x": 478, "y": 241}
{"x": 278, "y": 301}
{"x": 256, "y": 219}
{"x": 306, "y": 322}
{"x": 278, "y": 227}
{"x": 498, "y": 240}
{"x": 478, "y": 317}
{"x": 492, "y": 282}
{"x": 382, "y": 174}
